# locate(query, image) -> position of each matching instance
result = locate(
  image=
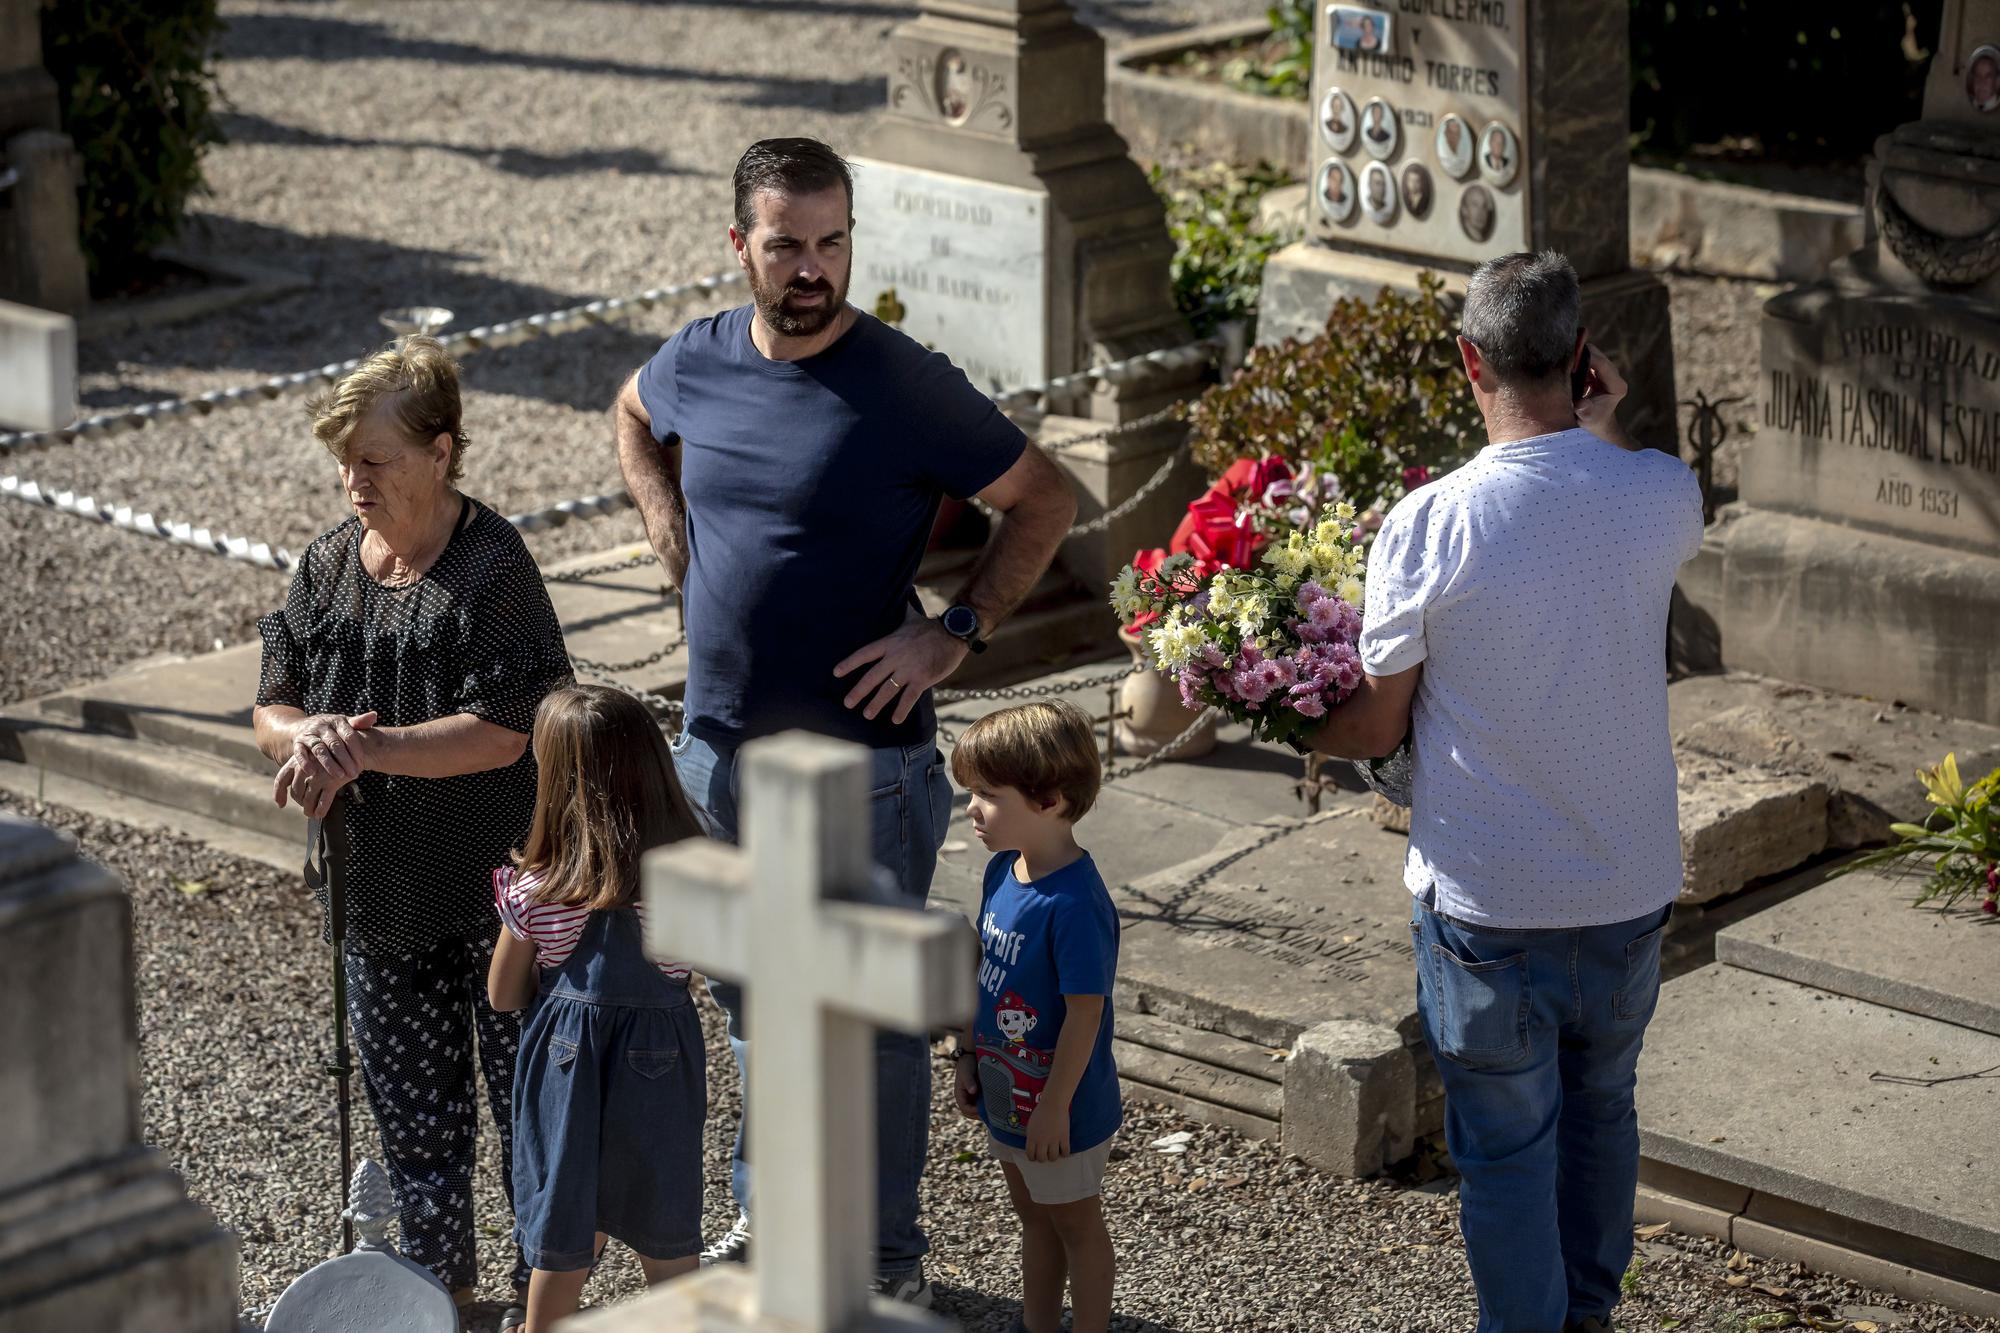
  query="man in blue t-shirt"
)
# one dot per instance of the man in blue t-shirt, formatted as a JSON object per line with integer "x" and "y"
{"x": 788, "y": 458}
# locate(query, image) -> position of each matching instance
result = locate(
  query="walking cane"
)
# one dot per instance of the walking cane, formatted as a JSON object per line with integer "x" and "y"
{"x": 326, "y": 872}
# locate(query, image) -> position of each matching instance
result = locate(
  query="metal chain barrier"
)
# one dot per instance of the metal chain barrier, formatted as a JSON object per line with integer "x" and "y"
{"x": 1037, "y": 691}
{"x": 672, "y": 646}
{"x": 1166, "y": 413}
{"x": 1126, "y": 371}
{"x": 125, "y": 518}
{"x": 526, "y": 329}
{"x": 1165, "y": 752}
{"x": 550, "y": 517}
{"x": 588, "y": 572}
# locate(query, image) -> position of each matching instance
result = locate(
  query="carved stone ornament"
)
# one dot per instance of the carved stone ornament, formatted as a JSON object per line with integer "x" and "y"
{"x": 953, "y": 88}
{"x": 1941, "y": 261}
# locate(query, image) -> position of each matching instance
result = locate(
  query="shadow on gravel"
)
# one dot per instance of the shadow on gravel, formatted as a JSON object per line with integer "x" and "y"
{"x": 354, "y": 279}
{"x": 980, "y": 1313}
{"x": 310, "y": 37}
{"x": 242, "y": 128}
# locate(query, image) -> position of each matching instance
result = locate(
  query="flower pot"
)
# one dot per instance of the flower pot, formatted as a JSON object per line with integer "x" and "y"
{"x": 1153, "y": 711}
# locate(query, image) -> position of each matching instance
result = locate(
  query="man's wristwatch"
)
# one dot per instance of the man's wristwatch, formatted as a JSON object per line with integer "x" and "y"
{"x": 962, "y": 623}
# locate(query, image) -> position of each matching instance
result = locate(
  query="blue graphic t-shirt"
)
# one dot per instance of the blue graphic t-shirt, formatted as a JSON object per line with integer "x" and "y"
{"x": 1057, "y": 936}
{"x": 811, "y": 487}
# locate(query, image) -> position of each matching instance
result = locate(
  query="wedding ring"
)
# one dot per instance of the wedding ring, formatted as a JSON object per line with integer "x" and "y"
{"x": 895, "y": 684}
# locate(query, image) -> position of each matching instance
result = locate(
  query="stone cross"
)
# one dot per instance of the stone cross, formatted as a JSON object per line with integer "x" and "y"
{"x": 37, "y": 368}
{"x": 822, "y": 968}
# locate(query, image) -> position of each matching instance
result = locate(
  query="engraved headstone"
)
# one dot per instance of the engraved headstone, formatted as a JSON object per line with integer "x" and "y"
{"x": 372, "y": 1288}
{"x": 823, "y": 968}
{"x": 96, "y": 1231}
{"x": 1019, "y": 238}
{"x": 1864, "y": 555}
{"x": 1472, "y": 130}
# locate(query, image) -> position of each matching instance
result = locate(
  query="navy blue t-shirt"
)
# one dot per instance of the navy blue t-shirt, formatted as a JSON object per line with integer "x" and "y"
{"x": 1057, "y": 936}
{"x": 811, "y": 488}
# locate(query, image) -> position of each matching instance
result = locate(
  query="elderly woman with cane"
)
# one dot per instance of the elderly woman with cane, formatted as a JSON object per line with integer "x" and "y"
{"x": 403, "y": 675}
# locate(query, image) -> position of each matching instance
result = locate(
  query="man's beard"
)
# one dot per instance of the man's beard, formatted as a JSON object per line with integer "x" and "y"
{"x": 791, "y": 321}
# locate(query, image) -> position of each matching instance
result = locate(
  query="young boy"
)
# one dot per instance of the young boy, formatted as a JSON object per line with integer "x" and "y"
{"x": 1036, "y": 1063}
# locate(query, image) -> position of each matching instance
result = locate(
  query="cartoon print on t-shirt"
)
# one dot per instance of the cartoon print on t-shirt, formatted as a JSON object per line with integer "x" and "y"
{"x": 1012, "y": 1073}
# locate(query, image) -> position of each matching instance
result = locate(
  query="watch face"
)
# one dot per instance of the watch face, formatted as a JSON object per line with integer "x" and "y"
{"x": 961, "y": 621}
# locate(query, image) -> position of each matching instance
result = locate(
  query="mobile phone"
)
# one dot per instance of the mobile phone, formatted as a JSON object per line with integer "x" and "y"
{"x": 1579, "y": 375}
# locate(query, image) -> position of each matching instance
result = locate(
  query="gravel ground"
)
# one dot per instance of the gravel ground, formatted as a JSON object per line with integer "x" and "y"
{"x": 233, "y": 1004}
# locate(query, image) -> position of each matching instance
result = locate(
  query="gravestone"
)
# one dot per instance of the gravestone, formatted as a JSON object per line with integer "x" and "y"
{"x": 37, "y": 368}
{"x": 1864, "y": 555}
{"x": 41, "y": 259}
{"x": 999, "y": 219}
{"x": 96, "y": 1231}
{"x": 1447, "y": 132}
{"x": 823, "y": 967}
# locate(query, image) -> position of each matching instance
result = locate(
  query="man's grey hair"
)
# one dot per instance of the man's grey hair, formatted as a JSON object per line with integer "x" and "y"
{"x": 1521, "y": 312}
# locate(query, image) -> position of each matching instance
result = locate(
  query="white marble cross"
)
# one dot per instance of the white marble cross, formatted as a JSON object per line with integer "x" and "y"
{"x": 37, "y": 368}
{"x": 821, "y": 971}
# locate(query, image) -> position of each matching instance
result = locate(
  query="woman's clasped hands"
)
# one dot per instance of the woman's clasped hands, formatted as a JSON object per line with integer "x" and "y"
{"x": 328, "y": 752}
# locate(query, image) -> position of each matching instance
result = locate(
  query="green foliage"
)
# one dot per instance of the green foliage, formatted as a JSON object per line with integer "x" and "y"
{"x": 1628, "y": 1284}
{"x": 1957, "y": 846}
{"x": 1377, "y": 394}
{"x": 1823, "y": 79}
{"x": 1219, "y": 252}
{"x": 1283, "y": 67}
{"x": 138, "y": 97}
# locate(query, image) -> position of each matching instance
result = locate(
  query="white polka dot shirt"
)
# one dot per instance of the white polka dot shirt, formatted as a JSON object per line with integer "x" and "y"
{"x": 1533, "y": 585}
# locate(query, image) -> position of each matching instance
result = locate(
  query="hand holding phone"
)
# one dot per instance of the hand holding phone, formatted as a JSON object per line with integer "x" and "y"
{"x": 1579, "y": 374}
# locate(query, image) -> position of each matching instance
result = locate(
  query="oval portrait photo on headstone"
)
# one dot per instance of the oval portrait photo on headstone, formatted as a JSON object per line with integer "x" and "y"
{"x": 1338, "y": 120}
{"x": 1982, "y": 78}
{"x": 1454, "y": 146}
{"x": 1417, "y": 190}
{"x": 1335, "y": 190}
{"x": 1381, "y": 132}
{"x": 1378, "y": 194}
{"x": 1499, "y": 154}
{"x": 1475, "y": 212}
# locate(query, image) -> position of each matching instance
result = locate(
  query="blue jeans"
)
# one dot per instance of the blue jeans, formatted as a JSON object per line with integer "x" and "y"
{"x": 1537, "y": 1034}
{"x": 909, "y": 806}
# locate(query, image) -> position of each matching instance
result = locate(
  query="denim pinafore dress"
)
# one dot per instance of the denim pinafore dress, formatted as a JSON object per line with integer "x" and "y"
{"x": 610, "y": 1092}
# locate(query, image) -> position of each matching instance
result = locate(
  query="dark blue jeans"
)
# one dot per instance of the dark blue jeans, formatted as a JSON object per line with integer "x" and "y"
{"x": 1537, "y": 1035}
{"x": 909, "y": 805}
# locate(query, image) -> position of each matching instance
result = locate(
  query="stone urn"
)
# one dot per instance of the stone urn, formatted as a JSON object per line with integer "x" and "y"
{"x": 1151, "y": 711}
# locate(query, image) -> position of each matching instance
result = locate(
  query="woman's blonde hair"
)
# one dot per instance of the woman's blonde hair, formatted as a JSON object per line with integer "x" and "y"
{"x": 605, "y": 795}
{"x": 418, "y": 377}
{"x": 1042, "y": 750}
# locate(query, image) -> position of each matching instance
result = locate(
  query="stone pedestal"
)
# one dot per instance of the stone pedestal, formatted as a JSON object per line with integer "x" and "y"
{"x": 1544, "y": 82}
{"x": 96, "y": 1231}
{"x": 1865, "y": 555}
{"x": 41, "y": 259}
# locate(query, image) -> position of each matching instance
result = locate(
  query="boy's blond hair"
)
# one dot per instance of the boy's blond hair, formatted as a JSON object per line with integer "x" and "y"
{"x": 1042, "y": 750}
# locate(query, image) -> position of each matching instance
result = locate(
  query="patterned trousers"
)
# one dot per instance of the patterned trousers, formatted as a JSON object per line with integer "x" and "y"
{"x": 414, "y": 1017}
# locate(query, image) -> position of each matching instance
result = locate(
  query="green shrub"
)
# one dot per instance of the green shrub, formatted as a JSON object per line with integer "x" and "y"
{"x": 1379, "y": 393}
{"x": 1219, "y": 250}
{"x": 138, "y": 97}
{"x": 1281, "y": 67}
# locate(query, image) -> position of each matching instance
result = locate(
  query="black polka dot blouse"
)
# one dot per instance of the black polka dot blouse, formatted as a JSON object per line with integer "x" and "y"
{"x": 476, "y": 634}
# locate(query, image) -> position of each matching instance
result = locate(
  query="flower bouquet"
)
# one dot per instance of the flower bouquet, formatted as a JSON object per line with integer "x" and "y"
{"x": 1273, "y": 646}
{"x": 1958, "y": 842}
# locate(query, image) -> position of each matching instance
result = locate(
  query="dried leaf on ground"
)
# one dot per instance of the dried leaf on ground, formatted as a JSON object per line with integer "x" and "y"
{"x": 1648, "y": 1232}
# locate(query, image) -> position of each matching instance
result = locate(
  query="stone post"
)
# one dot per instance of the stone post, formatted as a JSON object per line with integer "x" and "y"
{"x": 1494, "y": 128}
{"x": 41, "y": 259}
{"x": 1020, "y": 238}
{"x": 96, "y": 1231}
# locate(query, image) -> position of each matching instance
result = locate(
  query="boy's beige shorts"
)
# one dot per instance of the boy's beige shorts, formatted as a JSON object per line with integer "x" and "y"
{"x": 1077, "y": 1176}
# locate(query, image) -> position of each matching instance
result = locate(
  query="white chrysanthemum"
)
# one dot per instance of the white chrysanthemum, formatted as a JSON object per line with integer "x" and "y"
{"x": 1125, "y": 597}
{"x": 1343, "y": 511}
{"x": 1349, "y": 590}
{"x": 1221, "y": 601}
{"x": 1251, "y": 613}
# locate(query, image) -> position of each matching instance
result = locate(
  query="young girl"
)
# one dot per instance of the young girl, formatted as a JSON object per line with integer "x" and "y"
{"x": 611, "y": 1086}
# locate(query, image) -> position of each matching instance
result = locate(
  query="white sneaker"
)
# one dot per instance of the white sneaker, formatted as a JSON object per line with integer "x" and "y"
{"x": 733, "y": 1248}
{"x": 909, "y": 1288}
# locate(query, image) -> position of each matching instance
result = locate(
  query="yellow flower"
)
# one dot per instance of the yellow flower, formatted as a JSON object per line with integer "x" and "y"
{"x": 1942, "y": 783}
{"x": 1349, "y": 591}
{"x": 1220, "y": 601}
{"x": 1343, "y": 511}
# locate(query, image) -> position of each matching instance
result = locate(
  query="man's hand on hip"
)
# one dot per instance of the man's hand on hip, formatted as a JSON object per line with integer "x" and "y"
{"x": 901, "y": 667}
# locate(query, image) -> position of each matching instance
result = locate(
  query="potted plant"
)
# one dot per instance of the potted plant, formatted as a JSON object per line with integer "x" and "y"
{"x": 1957, "y": 846}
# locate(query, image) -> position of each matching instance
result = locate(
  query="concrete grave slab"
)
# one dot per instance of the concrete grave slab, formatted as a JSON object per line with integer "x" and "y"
{"x": 1858, "y": 936}
{"x": 1767, "y": 1084}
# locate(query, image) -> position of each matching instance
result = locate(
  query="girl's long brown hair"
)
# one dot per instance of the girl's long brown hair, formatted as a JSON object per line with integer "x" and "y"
{"x": 605, "y": 795}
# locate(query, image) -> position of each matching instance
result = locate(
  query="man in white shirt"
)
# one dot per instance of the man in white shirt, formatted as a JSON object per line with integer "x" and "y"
{"x": 1516, "y": 626}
